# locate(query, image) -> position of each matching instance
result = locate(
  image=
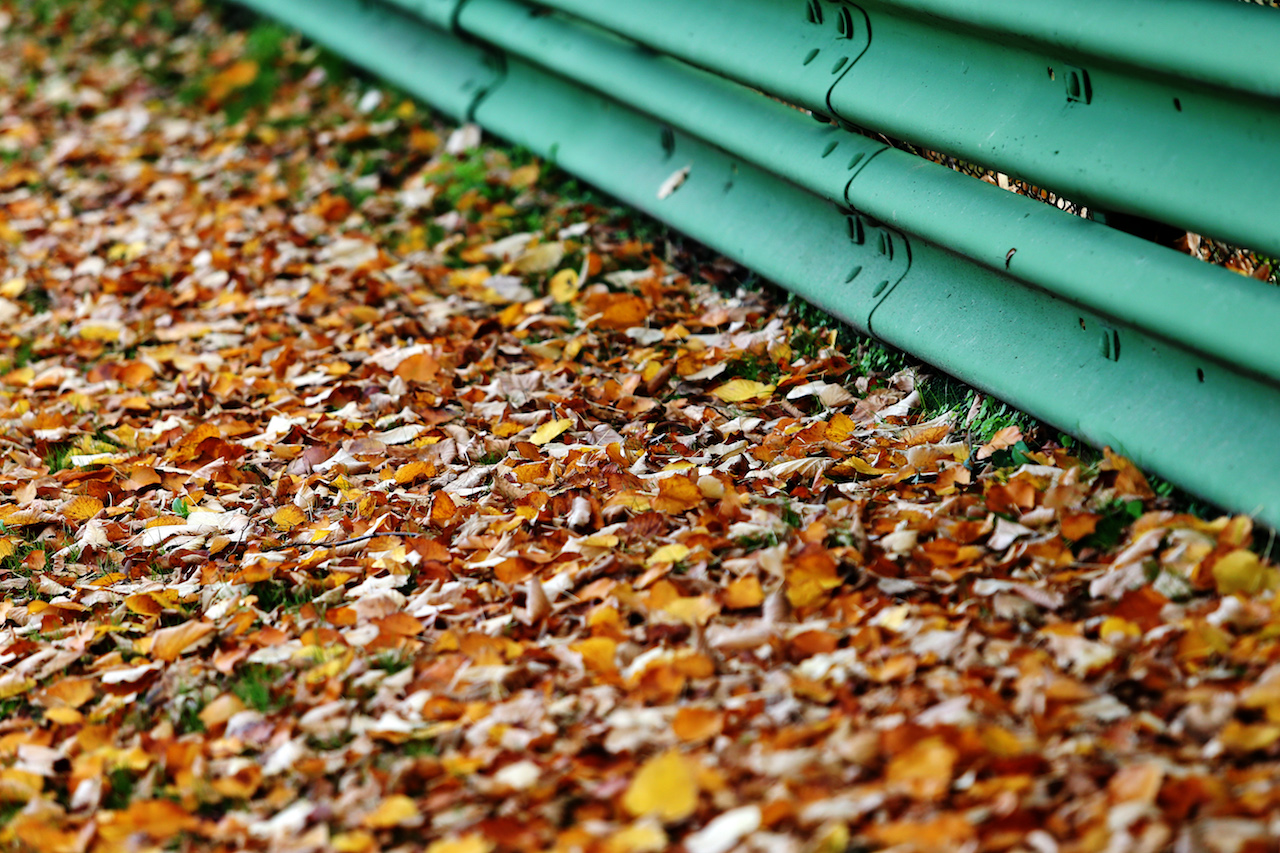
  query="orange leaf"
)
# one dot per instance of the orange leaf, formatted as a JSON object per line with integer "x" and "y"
{"x": 1007, "y": 437}
{"x": 1077, "y": 525}
{"x": 1130, "y": 482}
{"x": 399, "y": 624}
{"x": 443, "y": 509}
{"x": 598, "y": 653}
{"x": 412, "y": 472}
{"x": 692, "y": 723}
{"x": 237, "y": 76}
{"x": 1137, "y": 783}
{"x": 140, "y": 477}
{"x": 944, "y": 833}
{"x": 421, "y": 367}
{"x": 169, "y": 643}
{"x": 743, "y": 592}
{"x": 621, "y": 311}
{"x": 159, "y": 819}
{"x": 67, "y": 692}
{"x": 811, "y": 575}
{"x": 924, "y": 771}
{"x": 677, "y": 494}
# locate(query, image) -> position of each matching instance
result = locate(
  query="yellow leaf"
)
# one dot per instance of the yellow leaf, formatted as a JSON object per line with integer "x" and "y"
{"x": 12, "y": 684}
{"x": 169, "y": 643}
{"x": 744, "y": 592}
{"x": 550, "y": 430}
{"x": 64, "y": 716}
{"x": 597, "y": 653}
{"x": 525, "y": 176}
{"x": 1116, "y": 629}
{"x": 854, "y": 464}
{"x": 666, "y": 787}
{"x": 472, "y": 843}
{"x": 160, "y": 819}
{"x": 811, "y": 575}
{"x": 288, "y": 517}
{"x": 563, "y": 286}
{"x": 740, "y": 390}
{"x": 540, "y": 258}
{"x": 640, "y": 837}
{"x": 673, "y": 553}
{"x": 396, "y": 810}
{"x": 82, "y": 508}
{"x": 692, "y": 609}
{"x": 21, "y": 376}
{"x": 220, "y": 710}
{"x": 1240, "y": 571}
{"x": 1246, "y": 737}
{"x": 100, "y": 330}
{"x": 354, "y": 842}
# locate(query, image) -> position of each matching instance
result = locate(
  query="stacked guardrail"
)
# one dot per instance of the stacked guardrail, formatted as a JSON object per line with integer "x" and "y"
{"x": 1168, "y": 112}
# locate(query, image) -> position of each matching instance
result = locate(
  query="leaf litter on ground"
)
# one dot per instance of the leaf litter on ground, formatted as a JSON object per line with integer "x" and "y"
{"x": 365, "y": 486}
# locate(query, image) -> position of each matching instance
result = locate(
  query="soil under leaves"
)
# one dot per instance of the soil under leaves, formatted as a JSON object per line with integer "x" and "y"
{"x": 366, "y": 487}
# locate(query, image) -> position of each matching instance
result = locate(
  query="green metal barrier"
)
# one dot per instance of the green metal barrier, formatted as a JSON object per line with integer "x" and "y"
{"x": 1164, "y": 111}
{"x": 1114, "y": 339}
{"x": 431, "y": 63}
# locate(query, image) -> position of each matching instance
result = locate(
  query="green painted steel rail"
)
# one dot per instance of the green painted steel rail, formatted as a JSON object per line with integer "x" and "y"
{"x": 1166, "y": 110}
{"x": 1115, "y": 339}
